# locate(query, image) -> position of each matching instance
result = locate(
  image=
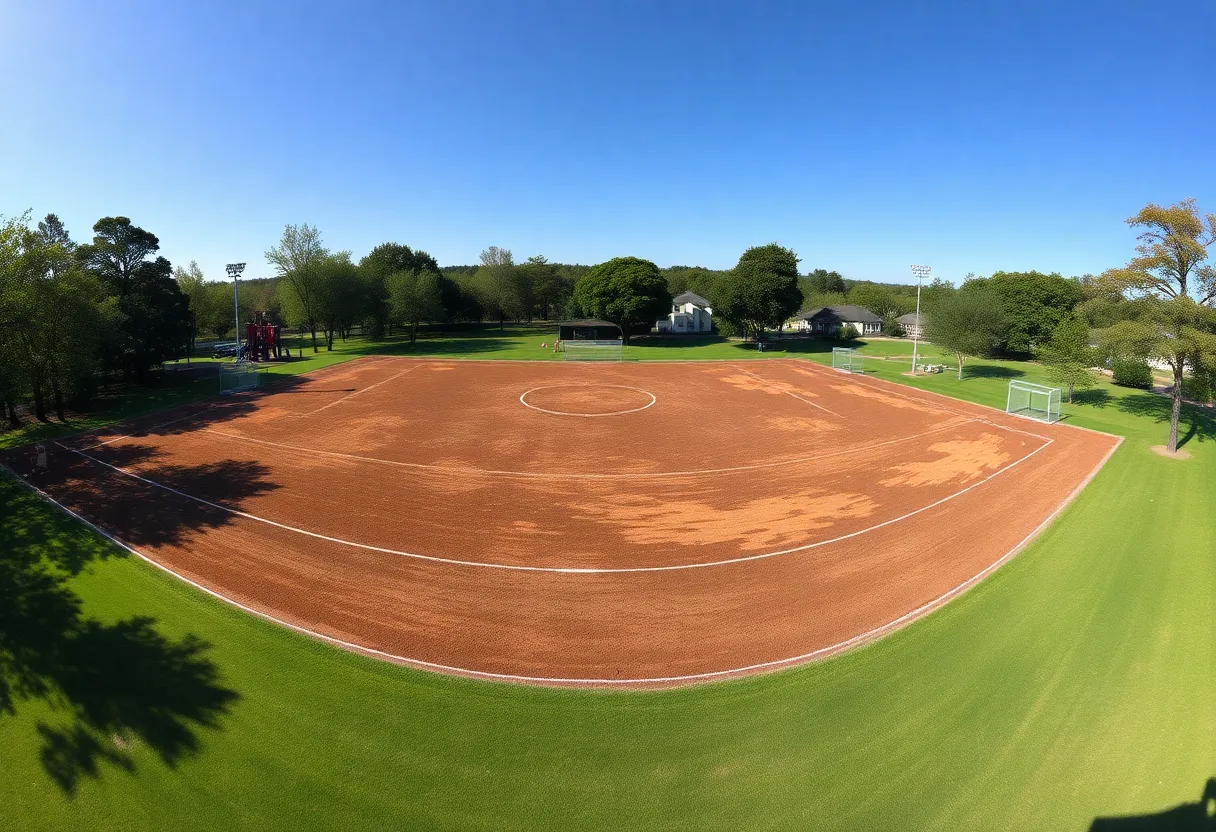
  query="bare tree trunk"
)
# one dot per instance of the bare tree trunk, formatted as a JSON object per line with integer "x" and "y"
{"x": 11, "y": 410}
{"x": 1175, "y": 409}
{"x": 313, "y": 329}
{"x": 959, "y": 356}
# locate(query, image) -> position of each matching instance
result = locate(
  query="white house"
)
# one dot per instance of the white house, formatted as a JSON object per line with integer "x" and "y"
{"x": 827, "y": 320}
{"x": 689, "y": 313}
{"x": 912, "y": 325}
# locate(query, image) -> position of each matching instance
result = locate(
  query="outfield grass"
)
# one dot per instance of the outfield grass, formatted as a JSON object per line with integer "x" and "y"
{"x": 1077, "y": 682}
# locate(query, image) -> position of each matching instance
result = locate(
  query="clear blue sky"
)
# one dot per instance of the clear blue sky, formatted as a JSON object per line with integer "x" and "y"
{"x": 972, "y": 136}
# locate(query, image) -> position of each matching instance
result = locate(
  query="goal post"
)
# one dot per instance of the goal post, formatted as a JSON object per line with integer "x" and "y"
{"x": 847, "y": 360}
{"x": 593, "y": 350}
{"x": 234, "y": 378}
{"x": 1034, "y": 401}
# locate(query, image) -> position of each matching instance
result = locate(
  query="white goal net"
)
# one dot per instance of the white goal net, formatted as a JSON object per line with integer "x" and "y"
{"x": 847, "y": 360}
{"x": 588, "y": 350}
{"x": 1034, "y": 401}
{"x": 243, "y": 375}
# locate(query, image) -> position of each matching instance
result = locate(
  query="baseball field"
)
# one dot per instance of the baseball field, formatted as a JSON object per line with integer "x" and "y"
{"x": 435, "y": 593}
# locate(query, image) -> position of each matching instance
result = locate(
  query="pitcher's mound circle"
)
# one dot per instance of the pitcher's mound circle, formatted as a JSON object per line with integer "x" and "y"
{"x": 587, "y": 399}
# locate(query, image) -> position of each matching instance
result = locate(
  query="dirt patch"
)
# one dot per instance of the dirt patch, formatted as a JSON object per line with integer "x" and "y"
{"x": 957, "y": 460}
{"x": 1161, "y": 450}
{"x": 753, "y": 525}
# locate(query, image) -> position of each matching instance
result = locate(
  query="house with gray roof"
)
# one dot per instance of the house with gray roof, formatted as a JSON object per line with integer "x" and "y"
{"x": 690, "y": 313}
{"x": 828, "y": 320}
{"x": 912, "y": 325}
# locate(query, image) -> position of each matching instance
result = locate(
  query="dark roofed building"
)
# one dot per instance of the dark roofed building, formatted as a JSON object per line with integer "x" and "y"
{"x": 588, "y": 329}
{"x": 827, "y": 320}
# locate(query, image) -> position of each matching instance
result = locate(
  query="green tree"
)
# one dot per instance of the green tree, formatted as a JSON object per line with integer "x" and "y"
{"x": 295, "y": 260}
{"x": 824, "y": 282}
{"x": 1174, "y": 284}
{"x": 625, "y": 290}
{"x": 416, "y": 297}
{"x": 969, "y": 324}
{"x": 193, "y": 285}
{"x": 761, "y": 291}
{"x": 1034, "y": 304}
{"x": 497, "y": 286}
{"x": 156, "y": 315}
{"x": 549, "y": 288}
{"x": 382, "y": 261}
{"x": 54, "y": 320}
{"x": 341, "y": 297}
{"x": 1069, "y": 357}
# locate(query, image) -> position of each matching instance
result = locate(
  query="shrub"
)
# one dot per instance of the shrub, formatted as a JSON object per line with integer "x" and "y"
{"x": 1132, "y": 372}
{"x": 1197, "y": 388}
{"x": 847, "y": 333}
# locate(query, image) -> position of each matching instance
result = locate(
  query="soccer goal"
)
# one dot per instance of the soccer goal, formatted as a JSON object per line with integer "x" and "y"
{"x": 847, "y": 360}
{"x": 1034, "y": 401}
{"x": 243, "y": 375}
{"x": 588, "y": 350}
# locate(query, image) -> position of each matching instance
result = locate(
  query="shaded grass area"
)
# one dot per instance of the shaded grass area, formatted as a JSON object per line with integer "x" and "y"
{"x": 1074, "y": 687}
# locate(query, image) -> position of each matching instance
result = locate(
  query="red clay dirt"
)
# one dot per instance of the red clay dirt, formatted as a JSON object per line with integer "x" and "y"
{"x": 580, "y": 524}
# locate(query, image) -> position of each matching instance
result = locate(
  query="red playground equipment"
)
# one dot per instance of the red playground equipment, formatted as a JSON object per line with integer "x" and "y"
{"x": 262, "y": 339}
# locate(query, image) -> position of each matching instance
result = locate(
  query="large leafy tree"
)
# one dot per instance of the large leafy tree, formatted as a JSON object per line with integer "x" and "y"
{"x": 548, "y": 288}
{"x": 1069, "y": 356}
{"x": 374, "y": 269}
{"x": 761, "y": 291}
{"x": 625, "y": 290}
{"x": 194, "y": 286}
{"x": 497, "y": 286}
{"x": 296, "y": 260}
{"x": 969, "y": 324}
{"x": 1175, "y": 286}
{"x": 156, "y": 315}
{"x": 1034, "y": 304}
{"x": 54, "y": 320}
{"x": 416, "y": 297}
{"x": 342, "y": 299}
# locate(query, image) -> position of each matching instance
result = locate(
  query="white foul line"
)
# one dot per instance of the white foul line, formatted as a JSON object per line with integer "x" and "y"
{"x": 861, "y": 638}
{"x": 788, "y": 393}
{"x": 566, "y": 570}
{"x": 357, "y": 392}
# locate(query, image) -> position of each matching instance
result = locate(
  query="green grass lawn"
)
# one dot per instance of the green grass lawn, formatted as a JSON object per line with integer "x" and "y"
{"x": 1078, "y": 682}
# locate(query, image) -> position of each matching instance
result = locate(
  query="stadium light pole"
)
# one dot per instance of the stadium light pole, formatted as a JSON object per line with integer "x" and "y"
{"x": 920, "y": 272}
{"x": 234, "y": 271}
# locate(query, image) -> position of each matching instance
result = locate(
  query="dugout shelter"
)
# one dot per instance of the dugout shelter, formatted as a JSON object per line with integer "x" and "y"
{"x": 588, "y": 329}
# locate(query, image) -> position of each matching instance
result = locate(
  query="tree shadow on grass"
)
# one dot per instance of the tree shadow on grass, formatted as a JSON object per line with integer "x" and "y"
{"x": 1193, "y": 422}
{"x": 425, "y": 346}
{"x": 991, "y": 371}
{"x": 111, "y": 687}
{"x": 1097, "y": 397}
{"x": 1186, "y": 817}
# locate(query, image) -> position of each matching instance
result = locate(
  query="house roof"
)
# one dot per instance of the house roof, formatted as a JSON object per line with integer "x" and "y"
{"x": 909, "y": 320}
{"x": 690, "y": 297}
{"x": 845, "y": 312}
{"x": 589, "y": 322}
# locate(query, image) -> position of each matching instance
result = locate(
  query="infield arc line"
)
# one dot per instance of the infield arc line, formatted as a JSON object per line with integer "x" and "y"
{"x": 565, "y": 570}
{"x": 523, "y": 399}
{"x": 774, "y": 664}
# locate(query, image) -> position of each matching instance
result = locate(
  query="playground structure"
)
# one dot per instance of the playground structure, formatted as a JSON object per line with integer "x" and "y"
{"x": 262, "y": 341}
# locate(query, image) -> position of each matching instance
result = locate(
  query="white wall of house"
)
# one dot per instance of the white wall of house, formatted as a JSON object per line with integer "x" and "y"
{"x": 688, "y": 317}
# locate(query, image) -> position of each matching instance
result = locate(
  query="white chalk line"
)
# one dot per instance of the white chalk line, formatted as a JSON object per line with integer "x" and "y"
{"x": 350, "y": 396}
{"x": 822, "y": 652}
{"x": 789, "y": 393}
{"x": 523, "y": 399}
{"x": 565, "y": 570}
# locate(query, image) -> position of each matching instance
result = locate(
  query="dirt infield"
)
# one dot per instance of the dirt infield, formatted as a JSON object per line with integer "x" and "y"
{"x": 579, "y": 524}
